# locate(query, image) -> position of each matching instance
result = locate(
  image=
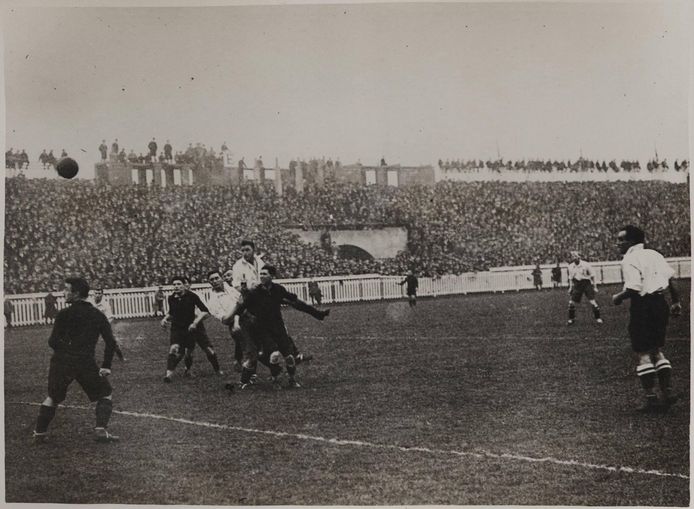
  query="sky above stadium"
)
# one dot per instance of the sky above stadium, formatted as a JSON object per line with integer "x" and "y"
{"x": 409, "y": 82}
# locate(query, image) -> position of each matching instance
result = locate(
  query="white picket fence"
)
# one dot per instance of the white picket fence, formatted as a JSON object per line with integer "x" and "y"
{"x": 139, "y": 302}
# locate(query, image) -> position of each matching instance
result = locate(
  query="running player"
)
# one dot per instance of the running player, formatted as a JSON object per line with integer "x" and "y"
{"x": 203, "y": 341}
{"x": 184, "y": 322}
{"x": 582, "y": 282}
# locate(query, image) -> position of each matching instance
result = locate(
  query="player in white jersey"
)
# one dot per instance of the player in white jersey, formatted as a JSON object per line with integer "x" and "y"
{"x": 223, "y": 298}
{"x": 246, "y": 276}
{"x": 246, "y": 270}
{"x": 582, "y": 282}
{"x": 102, "y": 304}
{"x": 646, "y": 278}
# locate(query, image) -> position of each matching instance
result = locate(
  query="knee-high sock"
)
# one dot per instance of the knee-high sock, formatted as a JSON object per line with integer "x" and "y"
{"x": 46, "y": 414}
{"x": 290, "y": 363}
{"x": 596, "y": 312}
{"x": 646, "y": 373}
{"x": 212, "y": 357}
{"x": 275, "y": 369}
{"x": 104, "y": 407}
{"x": 172, "y": 361}
{"x": 663, "y": 369}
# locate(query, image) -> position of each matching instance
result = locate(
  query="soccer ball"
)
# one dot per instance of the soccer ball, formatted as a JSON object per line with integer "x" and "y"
{"x": 67, "y": 167}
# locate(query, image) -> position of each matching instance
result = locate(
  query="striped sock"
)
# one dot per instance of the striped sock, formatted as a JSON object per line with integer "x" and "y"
{"x": 596, "y": 312}
{"x": 663, "y": 369}
{"x": 646, "y": 374}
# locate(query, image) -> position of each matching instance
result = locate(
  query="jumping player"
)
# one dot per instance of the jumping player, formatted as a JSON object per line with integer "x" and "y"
{"x": 264, "y": 302}
{"x": 203, "y": 341}
{"x": 246, "y": 270}
{"x": 245, "y": 275}
{"x": 581, "y": 281}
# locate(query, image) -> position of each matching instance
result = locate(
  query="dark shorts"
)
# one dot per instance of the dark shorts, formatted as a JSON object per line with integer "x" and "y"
{"x": 245, "y": 347}
{"x": 580, "y": 288}
{"x": 183, "y": 338}
{"x": 275, "y": 339}
{"x": 648, "y": 322}
{"x": 201, "y": 337}
{"x": 65, "y": 369}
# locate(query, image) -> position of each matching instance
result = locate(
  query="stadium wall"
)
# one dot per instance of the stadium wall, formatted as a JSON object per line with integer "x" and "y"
{"x": 384, "y": 242}
{"x": 139, "y": 302}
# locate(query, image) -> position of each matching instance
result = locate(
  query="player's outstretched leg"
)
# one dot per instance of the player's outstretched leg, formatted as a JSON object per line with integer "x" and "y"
{"x": 596, "y": 311}
{"x": 572, "y": 312}
{"x": 46, "y": 414}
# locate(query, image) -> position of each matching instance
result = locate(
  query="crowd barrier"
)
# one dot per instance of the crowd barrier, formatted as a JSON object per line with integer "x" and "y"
{"x": 29, "y": 309}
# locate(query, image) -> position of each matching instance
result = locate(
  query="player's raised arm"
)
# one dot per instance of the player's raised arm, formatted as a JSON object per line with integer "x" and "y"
{"x": 294, "y": 301}
{"x": 204, "y": 313}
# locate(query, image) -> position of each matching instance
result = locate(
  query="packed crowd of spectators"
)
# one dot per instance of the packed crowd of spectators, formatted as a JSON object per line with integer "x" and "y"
{"x": 580, "y": 165}
{"x": 135, "y": 236}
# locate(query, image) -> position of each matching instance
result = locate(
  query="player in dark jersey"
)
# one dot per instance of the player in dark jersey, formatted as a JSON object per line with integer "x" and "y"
{"x": 270, "y": 333}
{"x": 412, "y": 285}
{"x": 159, "y": 302}
{"x": 75, "y": 333}
{"x": 537, "y": 277}
{"x": 203, "y": 341}
{"x": 556, "y": 276}
{"x": 184, "y": 322}
{"x": 50, "y": 307}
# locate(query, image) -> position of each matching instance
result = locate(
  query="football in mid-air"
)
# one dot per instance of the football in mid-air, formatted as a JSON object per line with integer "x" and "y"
{"x": 67, "y": 167}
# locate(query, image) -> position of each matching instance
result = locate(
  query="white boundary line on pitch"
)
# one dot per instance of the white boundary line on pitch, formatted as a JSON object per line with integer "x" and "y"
{"x": 481, "y": 454}
{"x": 464, "y": 336}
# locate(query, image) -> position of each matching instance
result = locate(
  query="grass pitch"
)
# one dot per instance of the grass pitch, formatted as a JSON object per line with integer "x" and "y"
{"x": 479, "y": 399}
